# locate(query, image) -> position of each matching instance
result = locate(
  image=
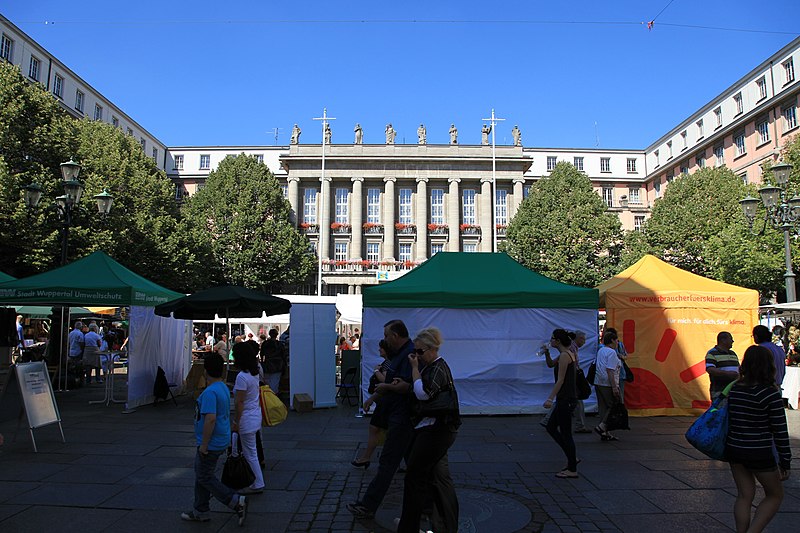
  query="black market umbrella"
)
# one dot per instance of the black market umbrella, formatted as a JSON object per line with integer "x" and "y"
{"x": 228, "y": 301}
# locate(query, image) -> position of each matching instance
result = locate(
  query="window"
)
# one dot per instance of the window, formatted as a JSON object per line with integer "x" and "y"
{"x": 788, "y": 71}
{"x": 605, "y": 164}
{"x": 310, "y": 206}
{"x": 259, "y": 158}
{"x": 737, "y": 99}
{"x": 155, "y": 154}
{"x": 789, "y": 118}
{"x": 79, "y": 101}
{"x": 340, "y": 254}
{"x": 743, "y": 176}
{"x": 436, "y": 248}
{"x": 551, "y": 162}
{"x": 129, "y": 132}
{"x": 341, "y": 205}
{"x": 526, "y": 190}
{"x": 404, "y": 201}
{"x": 285, "y": 191}
{"x": 700, "y": 133}
{"x": 374, "y": 206}
{"x": 404, "y": 254}
{"x": 143, "y": 142}
{"x": 738, "y": 140}
{"x": 670, "y": 176}
{"x": 178, "y": 162}
{"x": 577, "y": 162}
{"x": 205, "y": 161}
{"x": 655, "y": 156}
{"x": 179, "y": 192}
{"x": 58, "y": 86}
{"x": 718, "y": 115}
{"x": 470, "y": 247}
{"x": 7, "y": 48}
{"x": 501, "y": 207}
{"x": 468, "y": 206}
{"x": 763, "y": 131}
{"x": 114, "y": 121}
{"x": 657, "y": 189}
{"x": 700, "y": 160}
{"x": 684, "y": 141}
{"x": 33, "y": 69}
{"x": 608, "y": 196}
{"x": 719, "y": 155}
{"x": 437, "y": 206}
{"x": 373, "y": 252}
{"x": 762, "y": 87}
{"x": 98, "y": 112}
{"x": 638, "y": 222}
{"x": 634, "y": 197}
{"x": 631, "y": 164}
{"x": 685, "y": 168}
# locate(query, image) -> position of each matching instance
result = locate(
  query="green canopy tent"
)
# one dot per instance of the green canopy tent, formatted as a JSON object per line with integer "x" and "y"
{"x": 98, "y": 280}
{"x": 5, "y": 277}
{"x": 494, "y": 315}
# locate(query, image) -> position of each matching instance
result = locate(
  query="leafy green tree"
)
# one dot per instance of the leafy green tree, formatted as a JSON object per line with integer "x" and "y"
{"x": 563, "y": 230}
{"x": 242, "y": 221}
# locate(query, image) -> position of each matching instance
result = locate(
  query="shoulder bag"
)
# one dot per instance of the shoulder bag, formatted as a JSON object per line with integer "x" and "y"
{"x": 273, "y": 410}
{"x": 710, "y": 431}
{"x": 628, "y": 372}
{"x": 617, "y": 417}
{"x": 236, "y": 473}
{"x": 582, "y": 386}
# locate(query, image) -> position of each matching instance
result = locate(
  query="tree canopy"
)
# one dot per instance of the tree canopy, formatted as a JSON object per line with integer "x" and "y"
{"x": 563, "y": 230}
{"x": 241, "y": 221}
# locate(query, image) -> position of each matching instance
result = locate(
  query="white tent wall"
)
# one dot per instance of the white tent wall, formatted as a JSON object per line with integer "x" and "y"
{"x": 156, "y": 341}
{"x": 312, "y": 357}
{"x": 492, "y": 352}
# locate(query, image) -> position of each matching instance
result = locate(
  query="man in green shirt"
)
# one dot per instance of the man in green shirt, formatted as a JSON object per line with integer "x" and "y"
{"x": 722, "y": 363}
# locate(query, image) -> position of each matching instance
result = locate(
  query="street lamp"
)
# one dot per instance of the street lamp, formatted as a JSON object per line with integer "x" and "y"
{"x": 68, "y": 202}
{"x": 781, "y": 213}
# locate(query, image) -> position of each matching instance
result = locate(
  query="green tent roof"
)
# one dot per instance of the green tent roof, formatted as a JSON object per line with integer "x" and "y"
{"x": 5, "y": 277}
{"x": 94, "y": 280}
{"x": 459, "y": 280}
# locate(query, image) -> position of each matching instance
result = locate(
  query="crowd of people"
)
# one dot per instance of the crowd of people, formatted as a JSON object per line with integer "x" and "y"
{"x": 89, "y": 346}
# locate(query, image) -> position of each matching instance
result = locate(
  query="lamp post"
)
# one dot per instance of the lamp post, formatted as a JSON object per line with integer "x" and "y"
{"x": 781, "y": 214}
{"x": 68, "y": 202}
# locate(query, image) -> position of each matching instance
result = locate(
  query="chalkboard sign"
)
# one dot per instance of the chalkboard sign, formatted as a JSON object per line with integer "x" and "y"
{"x": 28, "y": 387}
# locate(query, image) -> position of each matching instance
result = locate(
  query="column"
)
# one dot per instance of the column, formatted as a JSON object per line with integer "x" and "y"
{"x": 388, "y": 219}
{"x": 325, "y": 220}
{"x": 355, "y": 219}
{"x": 293, "y": 191}
{"x": 486, "y": 215}
{"x": 421, "y": 219}
{"x": 518, "y": 186}
{"x": 453, "y": 215}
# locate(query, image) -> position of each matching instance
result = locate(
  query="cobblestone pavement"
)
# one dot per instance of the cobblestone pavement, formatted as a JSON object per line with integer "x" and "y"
{"x": 133, "y": 472}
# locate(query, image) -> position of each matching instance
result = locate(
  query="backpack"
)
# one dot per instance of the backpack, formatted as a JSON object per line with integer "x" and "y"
{"x": 161, "y": 385}
{"x": 274, "y": 357}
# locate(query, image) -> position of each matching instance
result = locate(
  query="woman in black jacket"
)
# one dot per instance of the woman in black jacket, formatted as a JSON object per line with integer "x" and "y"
{"x": 436, "y": 425}
{"x": 756, "y": 425}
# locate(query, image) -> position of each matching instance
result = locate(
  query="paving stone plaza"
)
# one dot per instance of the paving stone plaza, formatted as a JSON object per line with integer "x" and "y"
{"x": 133, "y": 472}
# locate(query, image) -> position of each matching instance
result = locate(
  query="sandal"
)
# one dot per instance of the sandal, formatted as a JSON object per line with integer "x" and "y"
{"x": 567, "y": 474}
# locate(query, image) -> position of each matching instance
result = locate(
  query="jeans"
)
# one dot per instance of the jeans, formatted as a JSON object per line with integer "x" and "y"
{"x": 560, "y": 428}
{"x": 398, "y": 437}
{"x": 248, "y": 447}
{"x": 206, "y": 483}
{"x": 428, "y": 480}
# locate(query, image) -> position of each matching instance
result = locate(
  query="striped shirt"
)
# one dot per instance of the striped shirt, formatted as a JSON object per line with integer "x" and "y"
{"x": 722, "y": 360}
{"x": 756, "y": 419}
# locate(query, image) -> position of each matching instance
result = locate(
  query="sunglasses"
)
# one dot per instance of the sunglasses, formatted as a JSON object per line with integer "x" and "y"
{"x": 420, "y": 351}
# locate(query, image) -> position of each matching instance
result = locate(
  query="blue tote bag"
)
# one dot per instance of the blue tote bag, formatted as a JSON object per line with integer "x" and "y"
{"x": 710, "y": 430}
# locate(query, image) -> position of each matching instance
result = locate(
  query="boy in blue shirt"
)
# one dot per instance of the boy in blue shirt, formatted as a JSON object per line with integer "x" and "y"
{"x": 212, "y": 428}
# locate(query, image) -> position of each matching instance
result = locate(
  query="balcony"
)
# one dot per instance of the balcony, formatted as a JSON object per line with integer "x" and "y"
{"x": 309, "y": 228}
{"x": 338, "y": 228}
{"x": 501, "y": 230}
{"x": 371, "y": 228}
{"x": 470, "y": 230}
{"x": 364, "y": 266}
{"x": 405, "y": 229}
{"x": 438, "y": 229}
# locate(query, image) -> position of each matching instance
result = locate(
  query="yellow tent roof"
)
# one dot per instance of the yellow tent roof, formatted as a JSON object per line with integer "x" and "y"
{"x": 651, "y": 282}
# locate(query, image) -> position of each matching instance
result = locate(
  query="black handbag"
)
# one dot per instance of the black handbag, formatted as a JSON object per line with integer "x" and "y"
{"x": 237, "y": 473}
{"x": 592, "y": 372}
{"x": 582, "y": 387}
{"x": 617, "y": 417}
{"x": 628, "y": 373}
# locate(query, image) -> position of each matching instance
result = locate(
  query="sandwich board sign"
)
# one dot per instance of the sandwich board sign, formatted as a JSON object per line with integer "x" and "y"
{"x": 28, "y": 388}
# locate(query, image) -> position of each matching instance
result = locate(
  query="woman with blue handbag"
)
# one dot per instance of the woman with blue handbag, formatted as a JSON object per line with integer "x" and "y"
{"x": 757, "y": 427}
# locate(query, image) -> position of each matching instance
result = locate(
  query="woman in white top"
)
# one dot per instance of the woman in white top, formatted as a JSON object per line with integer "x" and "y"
{"x": 606, "y": 382}
{"x": 247, "y": 421}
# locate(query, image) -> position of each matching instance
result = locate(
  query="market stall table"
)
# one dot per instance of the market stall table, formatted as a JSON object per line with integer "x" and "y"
{"x": 791, "y": 385}
{"x": 108, "y": 397}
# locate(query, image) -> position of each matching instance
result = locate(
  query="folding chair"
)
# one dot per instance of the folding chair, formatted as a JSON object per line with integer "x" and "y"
{"x": 346, "y": 389}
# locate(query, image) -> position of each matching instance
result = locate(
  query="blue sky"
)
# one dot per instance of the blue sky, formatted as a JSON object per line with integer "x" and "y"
{"x": 228, "y": 73}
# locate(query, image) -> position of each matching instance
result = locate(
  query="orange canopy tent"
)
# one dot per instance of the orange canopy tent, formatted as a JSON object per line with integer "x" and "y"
{"x": 668, "y": 319}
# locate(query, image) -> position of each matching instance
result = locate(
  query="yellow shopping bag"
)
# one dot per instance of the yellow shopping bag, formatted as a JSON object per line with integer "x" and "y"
{"x": 273, "y": 410}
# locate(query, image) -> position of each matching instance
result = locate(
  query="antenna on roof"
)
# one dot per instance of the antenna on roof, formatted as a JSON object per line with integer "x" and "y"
{"x": 276, "y": 131}
{"x": 596, "y": 136}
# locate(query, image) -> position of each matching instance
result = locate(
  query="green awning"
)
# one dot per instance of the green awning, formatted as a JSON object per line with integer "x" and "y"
{"x": 6, "y": 278}
{"x": 460, "y": 280}
{"x": 93, "y": 280}
{"x": 43, "y": 311}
